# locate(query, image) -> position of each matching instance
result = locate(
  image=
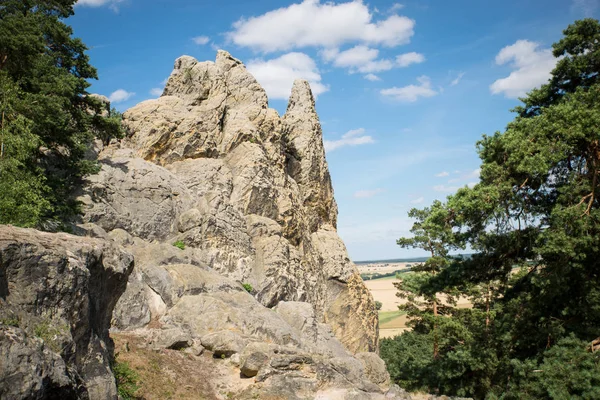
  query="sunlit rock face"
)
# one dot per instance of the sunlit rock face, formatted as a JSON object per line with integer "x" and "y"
{"x": 248, "y": 192}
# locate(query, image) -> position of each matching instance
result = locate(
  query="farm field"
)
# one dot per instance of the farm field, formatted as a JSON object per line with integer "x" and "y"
{"x": 392, "y": 322}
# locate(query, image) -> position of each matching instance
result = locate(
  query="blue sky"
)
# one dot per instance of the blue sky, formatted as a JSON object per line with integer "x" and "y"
{"x": 404, "y": 90}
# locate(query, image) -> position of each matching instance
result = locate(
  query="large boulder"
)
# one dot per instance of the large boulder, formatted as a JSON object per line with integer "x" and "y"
{"x": 57, "y": 294}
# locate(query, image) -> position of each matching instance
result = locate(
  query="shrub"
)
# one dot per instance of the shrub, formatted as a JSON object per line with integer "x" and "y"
{"x": 179, "y": 244}
{"x": 127, "y": 380}
{"x": 248, "y": 287}
{"x": 378, "y": 305}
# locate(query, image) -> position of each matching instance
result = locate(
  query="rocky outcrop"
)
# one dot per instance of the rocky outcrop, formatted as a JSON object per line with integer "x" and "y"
{"x": 57, "y": 293}
{"x": 210, "y": 165}
{"x": 247, "y": 197}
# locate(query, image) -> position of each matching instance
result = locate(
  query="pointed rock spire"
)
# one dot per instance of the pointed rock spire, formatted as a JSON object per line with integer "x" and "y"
{"x": 301, "y": 100}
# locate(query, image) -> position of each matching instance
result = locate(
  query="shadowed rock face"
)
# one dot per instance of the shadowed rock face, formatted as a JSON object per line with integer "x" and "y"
{"x": 57, "y": 293}
{"x": 248, "y": 192}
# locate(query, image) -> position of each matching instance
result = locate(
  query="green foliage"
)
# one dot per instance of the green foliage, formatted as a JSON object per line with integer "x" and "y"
{"x": 248, "y": 287}
{"x": 23, "y": 188}
{"x": 179, "y": 244}
{"x": 49, "y": 334}
{"x": 568, "y": 370}
{"x": 47, "y": 118}
{"x": 378, "y": 305}
{"x": 534, "y": 282}
{"x": 127, "y": 380}
{"x": 367, "y": 276}
{"x": 11, "y": 321}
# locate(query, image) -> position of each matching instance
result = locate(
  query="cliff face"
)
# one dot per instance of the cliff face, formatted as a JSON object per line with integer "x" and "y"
{"x": 57, "y": 293}
{"x": 248, "y": 192}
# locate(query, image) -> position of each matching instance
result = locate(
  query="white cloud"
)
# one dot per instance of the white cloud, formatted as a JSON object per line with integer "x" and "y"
{"x": 363, "y": 194}
{"x": 354, "y": 132}
{"x": 456, "y": 81}
{"x": 327, "y": 25}
{"x": 359, "y": 58}
{"x": 201, "y": 40}
{"x": 531, "y": 66}
{"x": 353, "y": 137}
{"x": 395, "y": 7}
{"x": 442, "y": 174}
{"x": 372, "y": 77}
{"x": 411, "y": 93}
{"x": 156, "y": 92}
{"x": 404, "y": 60}
{"x": 475, "y": 174}
{"x": 112, "y": 4}
{"x": 120, "y": 95}
{"x": 277, "y": 75}
{"x": 418, "y": 200}
{"x": 356, "y": 56}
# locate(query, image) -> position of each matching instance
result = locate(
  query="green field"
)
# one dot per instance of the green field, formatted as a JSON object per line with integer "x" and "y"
{"x": 391, "y": 319}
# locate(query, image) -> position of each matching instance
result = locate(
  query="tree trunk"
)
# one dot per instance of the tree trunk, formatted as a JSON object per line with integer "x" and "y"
{"x": 435, "y": 336}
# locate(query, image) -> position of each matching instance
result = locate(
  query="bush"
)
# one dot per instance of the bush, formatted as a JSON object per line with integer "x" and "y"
{"x": 248, "y": 287}
{"x": 127, "y": 380}
{"x": 378, "y": 305}
{"x": 179, "y": 244}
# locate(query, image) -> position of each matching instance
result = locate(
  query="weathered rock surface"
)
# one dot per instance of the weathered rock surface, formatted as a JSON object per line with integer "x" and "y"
{"x": 57, "y": 293}
{"x": 247, "y": 196}
{"x": 249, "y": 193}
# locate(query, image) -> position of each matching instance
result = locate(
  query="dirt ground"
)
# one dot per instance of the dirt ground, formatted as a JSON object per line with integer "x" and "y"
{"x": 174, "y": 374}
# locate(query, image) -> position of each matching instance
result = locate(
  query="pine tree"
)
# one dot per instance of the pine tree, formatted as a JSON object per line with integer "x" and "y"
{"x": 44, "y": 73}
{"x": 533, "y": 222}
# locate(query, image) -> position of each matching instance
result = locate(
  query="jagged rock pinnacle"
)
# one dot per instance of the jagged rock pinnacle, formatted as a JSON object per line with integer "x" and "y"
{"x": 301, "y": 99}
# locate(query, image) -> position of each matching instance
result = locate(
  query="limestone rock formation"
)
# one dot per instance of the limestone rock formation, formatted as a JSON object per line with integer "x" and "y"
{"x": 57, "y": 293}
{"x": 247, "y": 196}
{"x": 248, "y": 193}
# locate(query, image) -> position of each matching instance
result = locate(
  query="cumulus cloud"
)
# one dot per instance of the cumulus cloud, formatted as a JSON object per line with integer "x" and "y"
{"x": 277, "y": 75}
{"x": 366, "y": 60}
{"x": 327, "y": 25}
{"x": 457, "y": 80}
{"x": 353, "y": 137}
{"x": 363, "y": 194}
{"x": 112, "y": 4}
{"x": 156, "y": 92}
{"x": 201, "y": 40}
{"x": 411, "y": 93}
{"x": 404, "y": 60}
{"x": 442, "y": 174}
{"x": 120, "y": 95}
{"x": 372, "y": 77}
{"x": 357, "y": 59}
{"x": 531, "y": 65}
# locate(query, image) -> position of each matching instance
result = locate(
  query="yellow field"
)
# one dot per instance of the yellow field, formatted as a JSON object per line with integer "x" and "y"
{"x": 392, "y": 322}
